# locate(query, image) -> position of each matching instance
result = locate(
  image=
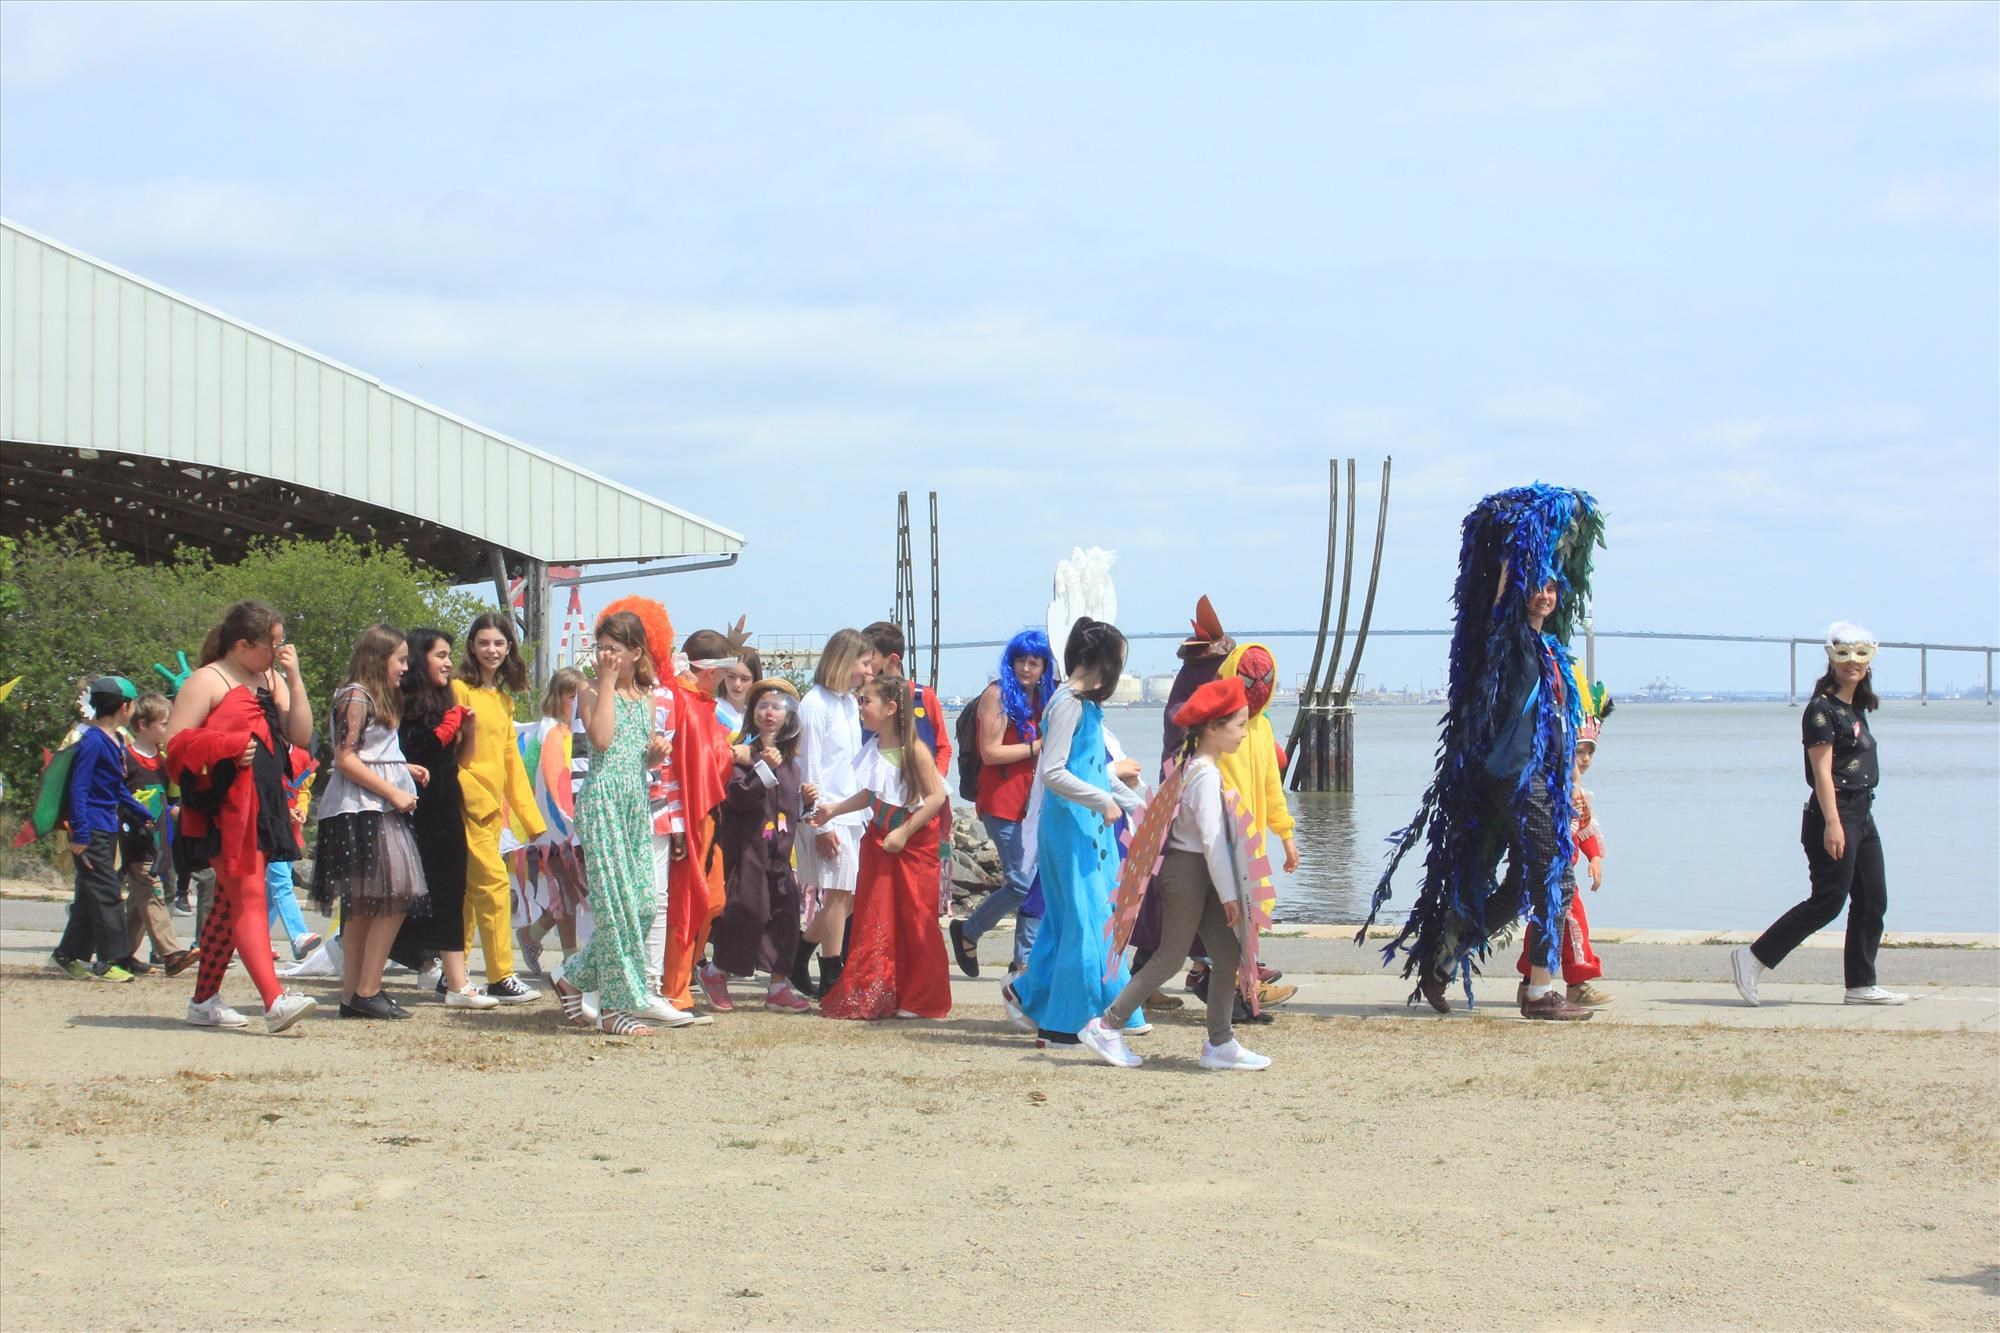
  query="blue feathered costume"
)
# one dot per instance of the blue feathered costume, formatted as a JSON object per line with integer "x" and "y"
{"x": 1506, "y": 746}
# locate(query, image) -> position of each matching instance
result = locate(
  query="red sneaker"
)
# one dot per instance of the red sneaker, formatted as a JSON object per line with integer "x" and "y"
{"x": 716, "y": 987}
{"x": 787, "y": 1001}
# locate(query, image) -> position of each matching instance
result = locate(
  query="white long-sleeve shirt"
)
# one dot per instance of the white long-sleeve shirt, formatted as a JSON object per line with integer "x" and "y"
{"x": 1198, "y": 826}
{"x": 1059, "y": 723}
{"x": 830, "y": 748}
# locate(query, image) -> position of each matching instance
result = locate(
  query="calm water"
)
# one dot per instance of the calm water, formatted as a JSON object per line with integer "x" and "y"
{"x": 1700, "y": 806}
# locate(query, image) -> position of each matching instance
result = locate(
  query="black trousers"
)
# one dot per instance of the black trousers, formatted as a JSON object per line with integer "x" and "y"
{"x": 1855, "y": 881}
{"x": 96, "y": 914}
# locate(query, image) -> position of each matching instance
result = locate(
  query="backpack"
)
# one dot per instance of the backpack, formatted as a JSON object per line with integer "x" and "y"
{"x": 965, "y": 737}
{"x": 51, "y": 808}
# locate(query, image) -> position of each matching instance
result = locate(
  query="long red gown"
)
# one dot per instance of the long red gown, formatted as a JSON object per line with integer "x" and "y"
{"x": 895, "y": 951}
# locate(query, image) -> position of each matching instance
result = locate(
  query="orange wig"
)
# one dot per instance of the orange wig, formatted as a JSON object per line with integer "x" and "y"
{"x": 659, "y": 630}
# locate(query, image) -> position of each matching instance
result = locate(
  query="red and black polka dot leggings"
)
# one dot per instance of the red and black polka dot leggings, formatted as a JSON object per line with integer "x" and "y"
{"x": 238, "y": 922}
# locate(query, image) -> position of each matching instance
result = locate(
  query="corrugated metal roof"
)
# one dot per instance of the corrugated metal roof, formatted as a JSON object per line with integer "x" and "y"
{"x": 92, "y": 357}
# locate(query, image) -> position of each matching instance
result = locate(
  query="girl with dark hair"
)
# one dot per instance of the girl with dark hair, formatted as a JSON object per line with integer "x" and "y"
{"x": 495, "y": 792}
{"x": 1064, "y": 985}
{"x": 367, "y": 860}
{"x": 1843, "y": 849}
{"x": 732, "y": 690}
{"x": 759, "y": 926}
{"x": 896, "y": 956}
{"x": 432, "y": 732}
{"x": 229, "y": 742}
{"x": 1010, "y": 737}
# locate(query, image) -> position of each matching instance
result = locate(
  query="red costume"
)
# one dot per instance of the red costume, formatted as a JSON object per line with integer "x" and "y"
{"x": 702, "y": 762}
{"x": 1579, "y": 960}
{"x": 895, "y": 953}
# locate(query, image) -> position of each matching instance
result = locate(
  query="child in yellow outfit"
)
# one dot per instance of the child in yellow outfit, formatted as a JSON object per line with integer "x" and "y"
{"x": 497, "y": 793}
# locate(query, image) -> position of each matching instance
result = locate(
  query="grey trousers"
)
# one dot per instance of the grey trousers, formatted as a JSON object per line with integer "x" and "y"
{"x": 1188, "y": 906}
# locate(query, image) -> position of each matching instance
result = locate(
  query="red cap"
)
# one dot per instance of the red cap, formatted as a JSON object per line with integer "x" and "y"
{"x": 1218, "y": 698}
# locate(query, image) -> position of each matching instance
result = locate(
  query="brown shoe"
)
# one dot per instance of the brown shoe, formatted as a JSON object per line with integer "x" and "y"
{"x": 1163, "y": 1002}
{"x": 180, "y": 960}
{"x": 1555, "y": 1007}
{"x": 1433, "y": 987}
{"x": 1588, "y": 995}
{"x": 1270, "y": 997}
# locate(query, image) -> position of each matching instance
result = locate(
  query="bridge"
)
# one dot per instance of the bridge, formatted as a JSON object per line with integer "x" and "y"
{"x": 1791, "y": 642}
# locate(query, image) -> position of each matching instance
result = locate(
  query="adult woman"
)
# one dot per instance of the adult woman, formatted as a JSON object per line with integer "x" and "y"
{"x": 829, "y": 747}
{"x": 1843, "y": 850}
{"x": 1010, "y": 737}
{"x": 228, "y": 746}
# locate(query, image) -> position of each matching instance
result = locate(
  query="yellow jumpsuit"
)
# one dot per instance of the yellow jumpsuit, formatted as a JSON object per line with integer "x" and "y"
{"x": 1252, "y": 773}
{"x": 496, "y": 791}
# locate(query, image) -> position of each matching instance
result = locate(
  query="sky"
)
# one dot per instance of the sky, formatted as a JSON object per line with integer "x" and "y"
{"x": 1123, "y": 276}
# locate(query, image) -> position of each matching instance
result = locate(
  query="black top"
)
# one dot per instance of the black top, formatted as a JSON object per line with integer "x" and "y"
{"x": 1828, "y": 721}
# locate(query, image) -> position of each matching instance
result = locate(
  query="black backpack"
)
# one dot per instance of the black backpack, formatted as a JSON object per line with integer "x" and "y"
{"x": 965, "y": 739}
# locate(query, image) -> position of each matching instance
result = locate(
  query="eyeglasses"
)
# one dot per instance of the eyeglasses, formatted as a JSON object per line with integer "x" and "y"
{"x": 1850, "y": 652}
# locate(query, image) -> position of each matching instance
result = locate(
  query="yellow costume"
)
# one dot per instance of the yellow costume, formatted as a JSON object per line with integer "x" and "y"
{"x": 496, "y": 789}
{"x": 1253, "y": 774}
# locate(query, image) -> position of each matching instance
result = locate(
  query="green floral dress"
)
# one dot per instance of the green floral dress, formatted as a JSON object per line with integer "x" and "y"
{"x": 614, "y": 823}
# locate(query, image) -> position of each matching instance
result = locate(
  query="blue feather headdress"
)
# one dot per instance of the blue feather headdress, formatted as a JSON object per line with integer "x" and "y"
{"x": 1025, "y": 712}
{"x": 1528, "y": 537}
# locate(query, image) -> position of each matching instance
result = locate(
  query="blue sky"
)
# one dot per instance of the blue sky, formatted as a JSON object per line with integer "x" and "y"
{"x": 1123, "y": 276}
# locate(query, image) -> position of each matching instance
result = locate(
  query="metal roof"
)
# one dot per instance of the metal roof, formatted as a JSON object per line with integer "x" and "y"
{"x": 210, "y": 430}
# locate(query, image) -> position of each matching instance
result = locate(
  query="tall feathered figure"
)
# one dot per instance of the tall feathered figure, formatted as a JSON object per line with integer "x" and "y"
{"x": 1512, "y": 543}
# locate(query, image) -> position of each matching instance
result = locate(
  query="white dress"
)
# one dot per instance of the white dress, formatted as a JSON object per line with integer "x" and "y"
{"x": 829, "y": 749}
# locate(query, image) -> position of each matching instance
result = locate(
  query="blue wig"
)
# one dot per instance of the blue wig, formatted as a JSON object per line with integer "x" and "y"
{"x": 1023, "y": 712}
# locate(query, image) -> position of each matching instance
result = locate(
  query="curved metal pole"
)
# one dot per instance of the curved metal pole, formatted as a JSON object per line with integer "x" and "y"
{"x": 1374, "y": 575}
{"x": 1325, "y": 609}
{"x": 1346, "y": 590}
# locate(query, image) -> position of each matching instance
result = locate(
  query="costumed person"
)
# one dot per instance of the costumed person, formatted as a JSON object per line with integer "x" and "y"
{"x": 1843, "y": 848}
{"x": 759, "y": 821}
{"x": 549, "y": 891}
{"x": 830, "y": 860}
{"x": 282, "y": 899}
{"x": 732, "y": 692}
{"x": 144, "y": 846}
{"x": 229, "y": 739}
{"x": 99, "y": 803}
{"x": 703, "y": 764}
{"x": 366, "y": 859}
{"x": 1009, "y": 722}
{"x": 433, "y": 734}
{"x": 1064, "y": 985}
{"x": 495, "y": 794}
{"x": 612, "y": 820}
{"x": 1506, "y": 751}
{"x": 895, "y": 964}
{"x": 1203, "y": 881}
{"x": 886, "y": 641}
{"x": 1581, "y": 966}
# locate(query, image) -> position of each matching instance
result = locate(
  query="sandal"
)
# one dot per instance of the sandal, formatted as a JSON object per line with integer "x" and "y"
{"x": 621, "y": 1024}
{"x": 571, "y": 999}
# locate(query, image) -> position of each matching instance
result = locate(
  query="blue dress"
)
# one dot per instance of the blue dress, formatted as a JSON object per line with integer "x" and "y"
{"x": 1064, "y": 986}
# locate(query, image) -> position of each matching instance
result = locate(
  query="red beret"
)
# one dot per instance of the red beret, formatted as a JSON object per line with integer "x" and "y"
{"x": 1218, "y": 698}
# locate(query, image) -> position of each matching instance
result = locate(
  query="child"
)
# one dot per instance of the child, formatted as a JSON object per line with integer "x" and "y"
{"x": 284, "y": 901}
{"x": 1580, "y": 963}
{"x": 759, "y": 926}
{"x": 829, "y": 745}
{"x": 1064, "y": 985}
{"x": 232, "y": 727}
{"x": 97, "y": 798}
{"x": 886, "y": 640}
{"x": 896, "y": 962}
{"x": 1202, "y": 886}
{"x": 145, "y": 901}
{"x": 368, "y": 860}
{"x": 495, "y": 791}
{"x": 548, "y": 872}
{"x": 701, "y": 764}
{"x": 611, "y": 819}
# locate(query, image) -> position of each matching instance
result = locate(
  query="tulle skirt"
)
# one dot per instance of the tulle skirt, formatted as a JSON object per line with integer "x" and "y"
{"x": 367, "y": 861}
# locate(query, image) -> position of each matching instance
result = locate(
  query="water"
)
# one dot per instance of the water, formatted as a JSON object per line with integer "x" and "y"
{"x": 1700, "y": 807}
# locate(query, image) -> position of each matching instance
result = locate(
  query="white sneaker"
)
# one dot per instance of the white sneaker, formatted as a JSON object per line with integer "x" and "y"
{"x": 1017, "y": 1017}
{"x": 1232, "y": 1054}
{"x": 1744, "y": 967}
{"x": 429, "y": 977}
{"x": 1109, "y": 1046}
{"x": 657, "y": 1010}
{"x": 1874, "y": 995}
{"x": 213, "y": 1013}
{"x": 289, "y": 1009}
{"x": 1139, "y": 1030}
{"x": 469, "y": 996}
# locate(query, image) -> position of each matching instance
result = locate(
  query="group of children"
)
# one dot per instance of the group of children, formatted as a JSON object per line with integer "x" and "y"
{"x": 681, "y": 821}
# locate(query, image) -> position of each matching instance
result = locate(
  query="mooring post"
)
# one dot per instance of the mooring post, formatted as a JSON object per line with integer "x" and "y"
{"x": 1924, "y": 677}
{"x": 1989, "y": 679}
{"x": 1792, "y": 695}
{"x": 1340, "y": 727}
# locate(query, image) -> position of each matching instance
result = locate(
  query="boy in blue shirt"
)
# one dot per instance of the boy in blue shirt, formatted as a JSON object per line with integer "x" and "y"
{"x": 97, "y": 796}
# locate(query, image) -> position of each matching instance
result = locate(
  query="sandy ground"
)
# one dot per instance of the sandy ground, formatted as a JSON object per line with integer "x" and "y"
{"x": 495, "y": 1171}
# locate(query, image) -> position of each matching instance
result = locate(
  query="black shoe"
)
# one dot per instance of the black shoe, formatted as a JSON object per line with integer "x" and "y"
{"x": 1199, "y": 985}
{"x": 135, "y": 967}
{"x": 802, "y": 977}
{"x": 367, "y": 1006}
{"x": 182, "y": 907}
{"x": 395, "y": 1010}
{"x": 512, "y": 990}
{"x": 964, "y": 950}
{"x": 829, "y": 973}
{"x": 1240, "y": 1013}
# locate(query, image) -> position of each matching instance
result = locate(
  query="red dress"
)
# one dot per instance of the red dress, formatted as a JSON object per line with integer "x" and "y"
{"x": 895, "y": 951}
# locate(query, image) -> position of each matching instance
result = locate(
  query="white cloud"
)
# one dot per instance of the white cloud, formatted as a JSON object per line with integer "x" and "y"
{"x": 941, "y": 138}
{"x": 1541, "y": 408}
{"x": 1734, "y": 433}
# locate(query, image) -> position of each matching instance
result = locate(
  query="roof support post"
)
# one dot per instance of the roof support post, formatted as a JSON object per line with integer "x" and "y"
{"x": 500, "y": 597}
{"x": 535, "y": 620}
